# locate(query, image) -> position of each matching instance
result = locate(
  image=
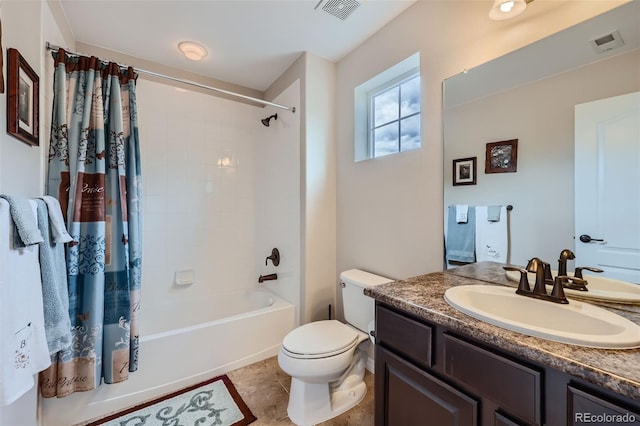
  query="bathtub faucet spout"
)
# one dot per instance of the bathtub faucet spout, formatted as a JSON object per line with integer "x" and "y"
{"x": 269, "y": 277}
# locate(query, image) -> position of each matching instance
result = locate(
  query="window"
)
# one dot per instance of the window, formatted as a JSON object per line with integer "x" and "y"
{"x": 395, "y": 118}
{"x": 387, "y": 111}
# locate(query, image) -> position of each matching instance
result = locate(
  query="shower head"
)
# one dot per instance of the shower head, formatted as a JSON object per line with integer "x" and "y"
{"x": 266, "y": 121}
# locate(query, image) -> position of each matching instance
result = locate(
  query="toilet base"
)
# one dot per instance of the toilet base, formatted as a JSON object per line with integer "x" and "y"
{"x": 312, "y": 403}
{"x": 324, "y": 406}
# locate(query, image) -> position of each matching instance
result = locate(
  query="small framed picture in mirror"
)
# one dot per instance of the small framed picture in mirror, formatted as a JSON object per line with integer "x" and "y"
{"x": 501, "y": 157}
{"x": 464, "y": 171}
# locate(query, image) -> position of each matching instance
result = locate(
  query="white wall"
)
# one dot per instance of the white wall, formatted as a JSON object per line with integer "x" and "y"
{"x": 540, "y": 115}
{"x": 319, "y": 159}
{"x": 20, "y": 164}
{"x": 216, "y": 219}
{"x": 57, "y": 32}
{"x": 198, "y": 186}
{"x": 390, "y": 209}
{"x": 277, "y": 181}
{"x": 317, "y": 78}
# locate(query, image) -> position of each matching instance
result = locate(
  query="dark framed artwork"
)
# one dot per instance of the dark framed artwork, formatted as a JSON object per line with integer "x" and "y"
{"x": 1, "y": 62}
{"x": 22, "y": 99}
{"x": 501, "y": 157}
{"x": 464, "y": 171}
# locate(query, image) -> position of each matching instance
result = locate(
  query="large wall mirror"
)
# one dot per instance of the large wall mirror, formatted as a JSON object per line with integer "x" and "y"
{"x": 530, "y": 95}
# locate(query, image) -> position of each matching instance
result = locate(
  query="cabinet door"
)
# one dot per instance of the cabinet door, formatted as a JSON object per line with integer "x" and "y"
{"x": 500, "y": 419}
{"x": 587, "y": 408}
{"x": 514, "y": 387}
{"x": 408, "y": 396}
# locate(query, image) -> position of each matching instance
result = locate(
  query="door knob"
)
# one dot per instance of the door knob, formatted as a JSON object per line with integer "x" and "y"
{"x": 587, "y": 238}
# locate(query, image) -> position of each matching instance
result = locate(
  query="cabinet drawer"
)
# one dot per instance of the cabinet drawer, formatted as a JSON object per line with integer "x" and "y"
{"x": 405, "y": 335}
{"x": 514, "y": 387}
{"x": 586, "y": 408}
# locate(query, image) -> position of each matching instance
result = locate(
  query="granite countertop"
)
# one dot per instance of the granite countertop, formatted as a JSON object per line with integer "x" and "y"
{"x": 616, "y": 370}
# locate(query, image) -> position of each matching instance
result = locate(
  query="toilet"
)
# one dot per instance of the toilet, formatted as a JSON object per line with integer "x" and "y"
{"x": 326, "y": 359}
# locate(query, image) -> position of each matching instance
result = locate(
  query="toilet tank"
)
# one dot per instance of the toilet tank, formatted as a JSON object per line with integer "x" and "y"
{"x": 359, "y": 310}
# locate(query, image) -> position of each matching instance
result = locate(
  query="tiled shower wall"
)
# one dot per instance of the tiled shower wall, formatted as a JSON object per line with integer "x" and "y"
{"x": 198, "y": 188}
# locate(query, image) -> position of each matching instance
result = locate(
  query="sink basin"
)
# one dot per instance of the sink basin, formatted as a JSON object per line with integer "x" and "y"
{"x": 577, "y": 323}
{"x": 600, "y": 288}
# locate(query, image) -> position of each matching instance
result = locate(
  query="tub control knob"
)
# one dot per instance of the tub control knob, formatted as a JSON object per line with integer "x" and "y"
{"x": 275, "y": 258}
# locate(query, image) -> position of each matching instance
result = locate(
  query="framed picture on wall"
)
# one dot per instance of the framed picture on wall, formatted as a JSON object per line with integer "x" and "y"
{"x": 464, "y": 171}
{"x": 501, "y": 157}
{"x": 22, "y": 99}
{"x": 1, "y": 62}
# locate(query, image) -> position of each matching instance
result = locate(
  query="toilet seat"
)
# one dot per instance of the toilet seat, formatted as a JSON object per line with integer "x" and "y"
{"x": 320, "y": 339}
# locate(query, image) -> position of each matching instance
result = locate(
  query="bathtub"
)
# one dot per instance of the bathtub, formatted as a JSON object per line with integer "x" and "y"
{"x": 183, "y": 344}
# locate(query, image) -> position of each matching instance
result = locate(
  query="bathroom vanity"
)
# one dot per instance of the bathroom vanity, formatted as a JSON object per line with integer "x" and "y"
{"x": 438, "y": 366}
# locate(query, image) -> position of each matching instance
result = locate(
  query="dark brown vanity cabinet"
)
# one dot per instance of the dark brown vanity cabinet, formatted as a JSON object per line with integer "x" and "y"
{"x": 427, "y": 375}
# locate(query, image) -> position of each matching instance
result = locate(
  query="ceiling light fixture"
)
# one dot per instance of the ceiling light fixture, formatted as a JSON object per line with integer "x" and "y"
{"x": 192, "y": 50}
{"x": 507, "y": 9}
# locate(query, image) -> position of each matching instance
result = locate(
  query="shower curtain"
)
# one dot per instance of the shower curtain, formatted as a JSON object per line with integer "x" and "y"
{"x": 94, "y": 170}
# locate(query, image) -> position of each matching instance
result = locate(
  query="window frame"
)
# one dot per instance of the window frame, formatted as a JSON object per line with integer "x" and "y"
{"x": 377, "y": 91}
{"x": 390, "y": 75}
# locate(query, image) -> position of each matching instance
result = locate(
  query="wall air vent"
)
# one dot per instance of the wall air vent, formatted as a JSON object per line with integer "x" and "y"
{"x": 340, "y": 8}
{"x": 607, "y": 42}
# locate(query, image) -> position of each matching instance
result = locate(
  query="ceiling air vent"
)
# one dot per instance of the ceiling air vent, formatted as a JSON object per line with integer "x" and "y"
{"x": 607, "y": 42}
{"x": 340, "y": 8}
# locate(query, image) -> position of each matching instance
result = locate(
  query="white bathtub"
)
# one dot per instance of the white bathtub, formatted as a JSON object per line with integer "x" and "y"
{"x": 182, "y": 344}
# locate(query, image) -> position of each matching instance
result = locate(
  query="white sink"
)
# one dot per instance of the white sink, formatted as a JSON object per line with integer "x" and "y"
{"x": 600, "y": 288}
{"x": 577, "y": 323}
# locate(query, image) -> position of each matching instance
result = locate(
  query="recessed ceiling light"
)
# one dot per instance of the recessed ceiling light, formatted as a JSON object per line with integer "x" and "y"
{"x": 192, "y": 50}
{"x": 506, "y": 9}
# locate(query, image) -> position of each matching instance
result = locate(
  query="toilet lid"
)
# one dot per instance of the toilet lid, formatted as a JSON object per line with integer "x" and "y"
{"x": 319, "y": 338}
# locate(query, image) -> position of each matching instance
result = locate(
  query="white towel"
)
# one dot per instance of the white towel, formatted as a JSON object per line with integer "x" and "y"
{"x": 23, "y": 351}
{"x": 55, "y": 292}
{"x": 27, "y": 232}
{"x": 462, "y": 211}
{"x": 492, "y": 242}
{"x": 57, "y": 228}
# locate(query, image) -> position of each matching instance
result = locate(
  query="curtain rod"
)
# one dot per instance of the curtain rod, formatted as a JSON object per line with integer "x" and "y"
{"x": 189, "y": 82}
{"x": 509, "y": 206}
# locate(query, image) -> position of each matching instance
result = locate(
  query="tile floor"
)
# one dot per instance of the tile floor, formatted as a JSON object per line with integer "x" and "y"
{"x": 265, "y": 389}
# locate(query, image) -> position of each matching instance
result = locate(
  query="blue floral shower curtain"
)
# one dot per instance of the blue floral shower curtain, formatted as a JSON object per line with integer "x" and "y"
{"x": 94, "y": 170}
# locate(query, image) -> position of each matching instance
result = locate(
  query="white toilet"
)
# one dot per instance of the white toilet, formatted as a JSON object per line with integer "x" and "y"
{"x": 325, "y": 359}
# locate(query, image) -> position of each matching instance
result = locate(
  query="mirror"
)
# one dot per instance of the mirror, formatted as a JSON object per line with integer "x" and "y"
{"x": 529, "y": 96}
